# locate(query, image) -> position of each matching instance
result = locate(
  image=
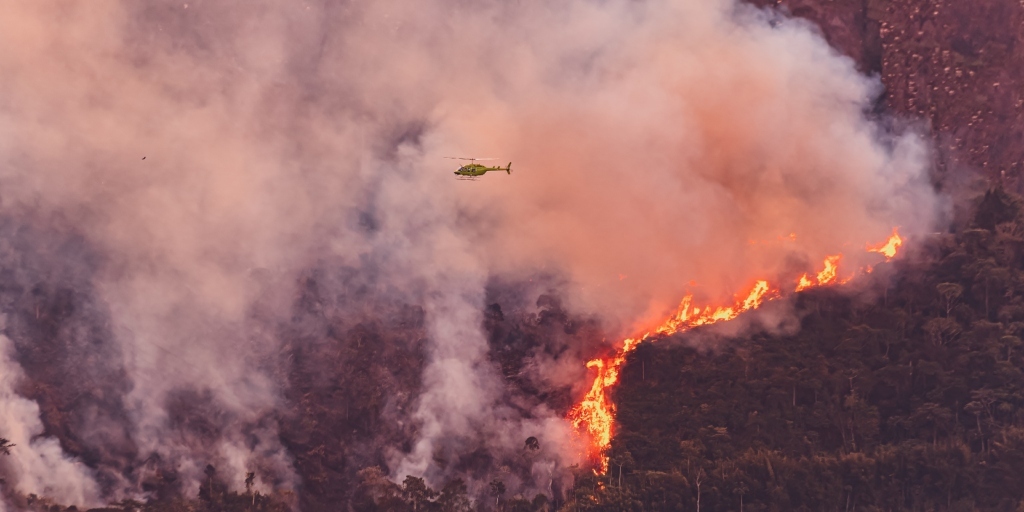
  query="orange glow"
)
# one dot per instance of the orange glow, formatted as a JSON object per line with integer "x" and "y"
{"x": 805, "y": 283}
{"x": 828, "y": 276}
{"x": 889, "y": 248}
{"x": 594, "y": 416}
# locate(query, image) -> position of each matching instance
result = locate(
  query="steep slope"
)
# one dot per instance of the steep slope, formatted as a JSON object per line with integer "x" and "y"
{"x": 957, "y": 66}
{"x": 905, "y": 394}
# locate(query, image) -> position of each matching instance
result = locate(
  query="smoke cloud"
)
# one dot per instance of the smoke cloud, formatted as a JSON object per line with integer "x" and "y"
{"x": 211, "y": 152}
{"x": 38, "y": 465}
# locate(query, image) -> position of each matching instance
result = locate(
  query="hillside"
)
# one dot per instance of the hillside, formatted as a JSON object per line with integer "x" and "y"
{"x": 907, "y": 399}
{"x": 901, "y": 392}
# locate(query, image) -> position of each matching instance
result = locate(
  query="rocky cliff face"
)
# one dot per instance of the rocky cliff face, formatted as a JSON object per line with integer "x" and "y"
{"x": 957, "y": 66}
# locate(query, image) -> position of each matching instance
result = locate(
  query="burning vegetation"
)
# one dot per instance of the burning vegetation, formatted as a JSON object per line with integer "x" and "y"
{"x": 594, "y": 416}
{"x": 896, "y": 393}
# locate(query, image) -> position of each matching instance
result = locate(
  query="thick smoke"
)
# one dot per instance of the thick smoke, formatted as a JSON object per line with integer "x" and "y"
{"x": 38, "y": 465}
{"x": 213, "y": 151}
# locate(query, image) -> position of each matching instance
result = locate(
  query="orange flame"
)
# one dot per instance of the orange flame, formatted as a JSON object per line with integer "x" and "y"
{"x": 826, "y": 276}
{"x": 805, "y": 283}
{"x": 594, "y": 415}
{"x": 889, "y": 248}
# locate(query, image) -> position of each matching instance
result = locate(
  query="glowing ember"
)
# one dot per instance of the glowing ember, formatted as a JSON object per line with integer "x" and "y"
{"x": 595, "y": 414}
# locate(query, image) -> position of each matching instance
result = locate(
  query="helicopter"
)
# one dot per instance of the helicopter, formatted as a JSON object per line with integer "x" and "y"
{"x": 472, "y": 170}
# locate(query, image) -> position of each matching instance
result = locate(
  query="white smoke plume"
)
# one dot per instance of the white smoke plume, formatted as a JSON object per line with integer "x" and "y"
{"x": 654, "y": 144}
{"x": 36, "y": 464}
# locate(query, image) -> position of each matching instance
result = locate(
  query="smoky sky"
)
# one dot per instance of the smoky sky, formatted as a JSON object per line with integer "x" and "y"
{"x": 209, "y": 152}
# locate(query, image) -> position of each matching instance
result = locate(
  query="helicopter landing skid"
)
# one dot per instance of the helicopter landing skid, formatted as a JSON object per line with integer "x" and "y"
{"x": 466, "y": 178}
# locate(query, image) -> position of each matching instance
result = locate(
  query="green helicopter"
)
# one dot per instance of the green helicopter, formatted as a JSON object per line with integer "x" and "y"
{"x": 472, "y": 170}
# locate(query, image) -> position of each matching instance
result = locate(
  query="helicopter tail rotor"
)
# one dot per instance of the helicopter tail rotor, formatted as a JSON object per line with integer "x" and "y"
{"x": 508, "y": 168}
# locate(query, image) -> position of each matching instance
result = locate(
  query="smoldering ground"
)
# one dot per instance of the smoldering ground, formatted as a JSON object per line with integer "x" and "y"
{"x": 292, "y": 147}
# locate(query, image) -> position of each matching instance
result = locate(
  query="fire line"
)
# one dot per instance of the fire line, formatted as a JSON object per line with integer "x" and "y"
{"x": 593, "y": 418}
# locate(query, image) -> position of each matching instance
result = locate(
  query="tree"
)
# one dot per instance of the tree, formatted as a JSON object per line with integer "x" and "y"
{"x": 5, "y": 446}
{"x": 986, "y": 274}
{"x": 942, "y": 330}
{"x": 416, "y": 492}
{"x": 698, "y": 480}
{"x": 932, "y": 417}
{"x": 454, "y": 497}
{"x": 540, "y": 502}
{"x": 375, "y": 486}
{"x": 741, "y": 489}
{"x": 950, "y": 293}
{"x": 210, "y": 472}
{"x": 497, "y": 490}
{"x": 518, "y": 504}
{"x": 250, "y": 479}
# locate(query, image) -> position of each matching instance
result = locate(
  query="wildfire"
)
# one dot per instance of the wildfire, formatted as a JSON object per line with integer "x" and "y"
{"x": 595, "y": 414}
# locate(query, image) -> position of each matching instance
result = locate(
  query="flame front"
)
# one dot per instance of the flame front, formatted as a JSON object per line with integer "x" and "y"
{"x": 594, "y": 415}
{"x": 826, "y": 276}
